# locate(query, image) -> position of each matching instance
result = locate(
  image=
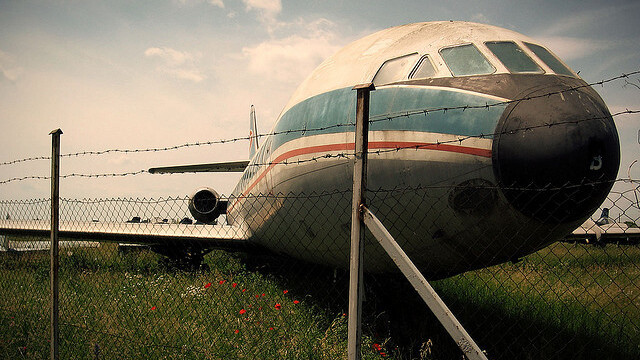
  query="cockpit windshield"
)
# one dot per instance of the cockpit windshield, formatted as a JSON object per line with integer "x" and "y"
{"x": 395, "y": 69}
{"x": 513, "y": 58}
{"x": 466, "y": 60}
{"x": 550, "y": 60}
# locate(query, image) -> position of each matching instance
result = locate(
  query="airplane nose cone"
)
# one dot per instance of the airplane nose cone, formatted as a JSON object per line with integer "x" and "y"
{"x": 555, "y": 156}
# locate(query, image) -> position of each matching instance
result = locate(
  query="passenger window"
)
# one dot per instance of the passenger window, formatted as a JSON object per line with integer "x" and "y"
{"x": 424, "y": 69}
{"x": 395, "y": 69}
{"x": 466, "y": 60}
{"x": 513, "y": 58}
{"x": 552, "y": 62}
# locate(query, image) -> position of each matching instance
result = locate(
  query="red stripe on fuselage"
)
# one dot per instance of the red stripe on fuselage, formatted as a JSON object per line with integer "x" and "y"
{"x": 380, "y": 145}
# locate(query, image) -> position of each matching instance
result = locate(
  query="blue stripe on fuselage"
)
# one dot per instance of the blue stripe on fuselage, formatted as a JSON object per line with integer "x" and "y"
{"x": 325, "y": 113}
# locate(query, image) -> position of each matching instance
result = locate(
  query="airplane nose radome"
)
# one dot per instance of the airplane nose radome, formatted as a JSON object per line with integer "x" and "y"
{"x": 555, "y": 156}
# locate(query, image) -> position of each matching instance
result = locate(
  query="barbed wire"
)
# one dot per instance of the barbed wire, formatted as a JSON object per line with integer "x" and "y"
{"x": 326, "y": 193}
{"x": 420, "y": 146}
{"x": 382, "y": 117}
{"x": 372, "y": 119}
{"x": 131, "y": 173}
{"x": 347, "y": 155}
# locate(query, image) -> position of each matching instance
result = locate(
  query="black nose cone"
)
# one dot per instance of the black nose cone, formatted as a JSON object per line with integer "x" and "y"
{"x": 556, "y": 153}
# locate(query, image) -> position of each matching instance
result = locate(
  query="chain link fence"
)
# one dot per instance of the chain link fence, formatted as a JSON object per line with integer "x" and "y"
{"x": 285, "y": 296}
{"x": 504, "y": 261}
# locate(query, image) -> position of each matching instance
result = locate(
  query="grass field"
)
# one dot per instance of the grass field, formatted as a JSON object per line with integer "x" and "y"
{"x": 132, "y": 307}
{"x": 566, "y": 301}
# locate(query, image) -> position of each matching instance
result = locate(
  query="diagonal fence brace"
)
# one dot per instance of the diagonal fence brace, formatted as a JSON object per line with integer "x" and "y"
{"x": 422, "y": 286}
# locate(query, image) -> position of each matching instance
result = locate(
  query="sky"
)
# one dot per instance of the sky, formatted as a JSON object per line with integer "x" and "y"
{"x": 151, "y": 74}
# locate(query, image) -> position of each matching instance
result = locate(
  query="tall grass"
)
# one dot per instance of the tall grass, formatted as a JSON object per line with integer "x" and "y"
{"x": 564, "y": 302}
{"x": 131, "y": 306}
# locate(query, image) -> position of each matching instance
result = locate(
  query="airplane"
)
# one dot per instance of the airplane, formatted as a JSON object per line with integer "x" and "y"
{"x": 605, "y": 231}
{"x": 484, "y": 147}
{"x": 8, "y": 246}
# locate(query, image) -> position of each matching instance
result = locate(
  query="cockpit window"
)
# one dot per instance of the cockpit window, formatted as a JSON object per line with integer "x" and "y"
{"x": 424, "y": 69}
{"x": 466, "y": 60}
{"x": 513, "y": 58}
{"x": 548, "y": 58}
{"x": 395, "y": 69}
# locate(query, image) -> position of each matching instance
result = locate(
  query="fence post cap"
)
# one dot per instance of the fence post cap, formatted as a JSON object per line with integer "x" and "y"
{"x": 56, "y": 132}
{"x": 369, "y": 86}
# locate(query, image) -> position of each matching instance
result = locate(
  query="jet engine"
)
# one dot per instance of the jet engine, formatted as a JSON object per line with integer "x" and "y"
{"x": 205, "y": 205}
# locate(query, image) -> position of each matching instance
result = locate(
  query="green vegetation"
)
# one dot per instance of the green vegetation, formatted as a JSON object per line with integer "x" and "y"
{"x": 131, "y": 306}
{"x": 566, "y": 301}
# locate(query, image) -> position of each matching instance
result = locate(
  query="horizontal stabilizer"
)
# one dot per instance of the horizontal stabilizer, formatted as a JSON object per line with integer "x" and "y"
{"x": 232, "y": 166}
{"x": 591, "y": 231}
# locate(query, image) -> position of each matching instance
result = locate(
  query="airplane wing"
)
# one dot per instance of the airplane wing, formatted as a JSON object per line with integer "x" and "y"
{"x": 232, "y": 166}
{"x": 589, "y": 231}
{"x": 205, "y": 236}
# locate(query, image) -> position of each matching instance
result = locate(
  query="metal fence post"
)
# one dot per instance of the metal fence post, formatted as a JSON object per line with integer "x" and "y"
{"x": 55, "y": 220}
{"x": 357, "y": 229}
{"x": 465, "y": 343}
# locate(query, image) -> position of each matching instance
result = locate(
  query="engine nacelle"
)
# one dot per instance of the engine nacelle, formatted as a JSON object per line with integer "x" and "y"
{"x": 205, "y": 205}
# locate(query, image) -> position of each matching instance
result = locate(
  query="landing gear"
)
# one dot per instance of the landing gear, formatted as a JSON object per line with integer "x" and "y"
{"x": 187, "y": 259}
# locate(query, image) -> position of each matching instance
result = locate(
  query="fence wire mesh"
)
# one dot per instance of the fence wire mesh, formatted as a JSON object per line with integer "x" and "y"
{"x": 284, "y": 293}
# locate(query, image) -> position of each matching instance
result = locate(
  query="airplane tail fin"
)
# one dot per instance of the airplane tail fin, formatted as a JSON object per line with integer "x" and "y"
{"x": 604, "y": 217}
{"x": 253, "y": 133}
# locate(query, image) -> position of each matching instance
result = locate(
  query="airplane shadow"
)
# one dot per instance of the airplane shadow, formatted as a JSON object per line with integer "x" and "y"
{"x": 395, "y": 317}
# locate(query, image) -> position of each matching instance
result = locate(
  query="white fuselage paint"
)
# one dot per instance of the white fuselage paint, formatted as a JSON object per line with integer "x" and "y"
{"x": 298, "y": 201}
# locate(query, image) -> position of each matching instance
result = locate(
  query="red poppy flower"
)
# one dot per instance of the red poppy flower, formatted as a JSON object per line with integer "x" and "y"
{"x": 236, "y": 331}
{"x": 243, "y": 290}
{"x": 296, "y": 302}
{"x": 234, "y": 284}
{"x": 263, "y": 295}
{"x": 243, "y": 311}
{"x": 153, "y": 308}
{"x": 270, "y": 328}
{"x": 221, "y": 282}
{"x": 278, "y": 306}
{"x": 285, "y": 291}
{"x": 257, "y": 296}
{"x": 377, "y": 347}
{"x": 207, "y": 286}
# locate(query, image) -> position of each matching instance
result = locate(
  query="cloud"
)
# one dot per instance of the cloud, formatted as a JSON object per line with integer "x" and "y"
{"x": 218, "y": 3}
{"x": 572, "y": 48}
{"x": 268, "y": 6}
{"x": 184, "y": 74}
{"x": 8, "y": 69}
{"x": 585, "y": 20}
{"x": 290, "y": 59}
{"x": 178, "y": 64}
{"x": 170, "y": 56}
{"x": 268, "y": 12}
{"x": 480, "y": 18}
